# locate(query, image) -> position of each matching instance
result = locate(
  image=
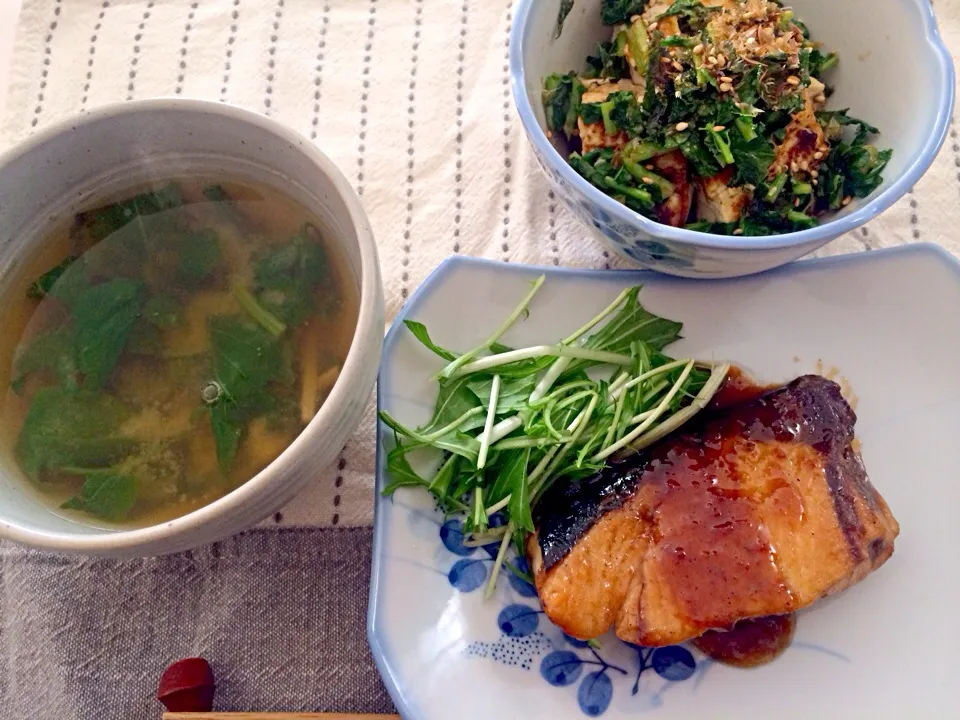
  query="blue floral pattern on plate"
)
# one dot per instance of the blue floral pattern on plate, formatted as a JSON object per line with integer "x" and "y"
{"x": 527, "y": 634}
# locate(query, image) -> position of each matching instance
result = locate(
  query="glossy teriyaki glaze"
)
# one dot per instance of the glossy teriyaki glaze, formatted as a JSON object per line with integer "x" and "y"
{"x": 759, "y": 507}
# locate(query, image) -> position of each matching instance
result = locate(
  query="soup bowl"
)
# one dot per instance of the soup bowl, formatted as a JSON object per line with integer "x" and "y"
{"x": 61, "y": 170}
{"x": 895, "y": 72}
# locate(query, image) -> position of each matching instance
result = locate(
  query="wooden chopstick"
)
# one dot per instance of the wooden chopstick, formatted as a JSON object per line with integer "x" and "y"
{"x": 273, "y": 716}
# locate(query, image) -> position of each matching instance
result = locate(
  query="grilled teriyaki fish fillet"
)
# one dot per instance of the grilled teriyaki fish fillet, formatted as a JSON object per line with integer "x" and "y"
{"x": 758, "y": 509}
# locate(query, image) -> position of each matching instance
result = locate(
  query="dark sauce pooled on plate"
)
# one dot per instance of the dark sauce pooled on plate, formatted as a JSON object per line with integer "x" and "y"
{"x": 749, "y": 643}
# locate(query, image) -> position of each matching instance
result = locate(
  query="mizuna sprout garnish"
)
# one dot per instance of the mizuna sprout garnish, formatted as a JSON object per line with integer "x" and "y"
{"x": 509, "y": 423}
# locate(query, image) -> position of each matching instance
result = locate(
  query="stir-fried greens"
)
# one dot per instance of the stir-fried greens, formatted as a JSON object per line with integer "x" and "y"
{"x": 710, "y": 114}
{"x": 508, "y": 423}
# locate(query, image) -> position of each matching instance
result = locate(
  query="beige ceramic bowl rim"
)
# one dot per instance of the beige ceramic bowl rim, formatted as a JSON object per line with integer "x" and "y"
{"x": 119, "y": 540}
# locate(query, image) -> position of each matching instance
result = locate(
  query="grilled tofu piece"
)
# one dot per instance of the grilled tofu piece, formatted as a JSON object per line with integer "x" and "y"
{"x": 759, "y": 509}
{"x": 717, "y": 201}
{"x": 675, "y": 210}
{"x": 593, "y": 135}
{"x": 804, "y": 146}
{"x": 667, "y": 26}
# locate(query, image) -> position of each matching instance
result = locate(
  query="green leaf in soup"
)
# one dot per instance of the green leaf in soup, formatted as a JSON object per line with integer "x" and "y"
{"x": 198, "y": 257}
{"x": 419, "y": 331}
{"x": 63, "y": 428}
{"x": 287, "y": 277}
{"x": 54, "y": 351}
{"x": 103, "y": 317}
{"x": 42, "y": 286}
{"x": 106, "y": 495}
{"x": 123, "y": 254}
{"x": 105, "y": 221}
{"x": 301, "y": 259}
{"x": 246, "y": 359}
{"x": 227, "y": 431}
{"x": 72, "y": 283}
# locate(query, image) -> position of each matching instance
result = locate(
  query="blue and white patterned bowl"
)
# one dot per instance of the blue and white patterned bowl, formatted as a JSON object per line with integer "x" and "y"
{"x": 894, "y": 72}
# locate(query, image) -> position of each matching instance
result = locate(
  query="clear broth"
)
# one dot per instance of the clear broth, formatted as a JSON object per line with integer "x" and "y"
{"x": 220, "y": 339}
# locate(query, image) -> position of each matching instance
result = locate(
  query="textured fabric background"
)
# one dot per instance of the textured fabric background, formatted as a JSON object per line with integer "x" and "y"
{"x": 279, "y": 613}
{"x": 411, "y": 99}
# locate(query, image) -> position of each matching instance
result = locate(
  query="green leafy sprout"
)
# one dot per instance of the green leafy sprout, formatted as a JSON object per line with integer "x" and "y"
{"x": 508, "y": 423}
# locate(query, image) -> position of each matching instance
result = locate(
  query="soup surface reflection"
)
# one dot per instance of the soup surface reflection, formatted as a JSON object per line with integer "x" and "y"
{"x": 173, "y": 342}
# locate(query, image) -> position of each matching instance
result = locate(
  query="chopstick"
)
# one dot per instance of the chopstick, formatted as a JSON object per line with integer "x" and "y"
{"x": 273, "y": 716}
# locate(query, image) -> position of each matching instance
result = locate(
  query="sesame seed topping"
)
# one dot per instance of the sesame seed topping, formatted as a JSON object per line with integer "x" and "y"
{"x": 649, "y": 166}
{"x": 647, "y": 180}
{"x": 681, "y": 126}
{"x": 793, "y": 80}
{"x": 796, "y": 202}
{"x": 711, "y": 60}
{"x": 665, "y": 60}
{"x": 698, "y": 49}
{"x": 719, "y": 128}
{"x": 738, "y": 231}
{"x": 677, "y": 66}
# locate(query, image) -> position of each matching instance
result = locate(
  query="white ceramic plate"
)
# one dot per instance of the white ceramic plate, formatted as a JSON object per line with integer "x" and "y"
{"x": 888, "y": 323}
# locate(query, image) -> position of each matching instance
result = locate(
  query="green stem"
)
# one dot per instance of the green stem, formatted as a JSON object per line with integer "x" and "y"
{"x": 452, "y": 368}
{"x": 630, "y": 437}
{"x": 498, "y": 563}
{"x": 705, "y": 395}
{"x": 538, "y": 351}
{"x": 488, "y": 425}
{"x": 266, "y": 319}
